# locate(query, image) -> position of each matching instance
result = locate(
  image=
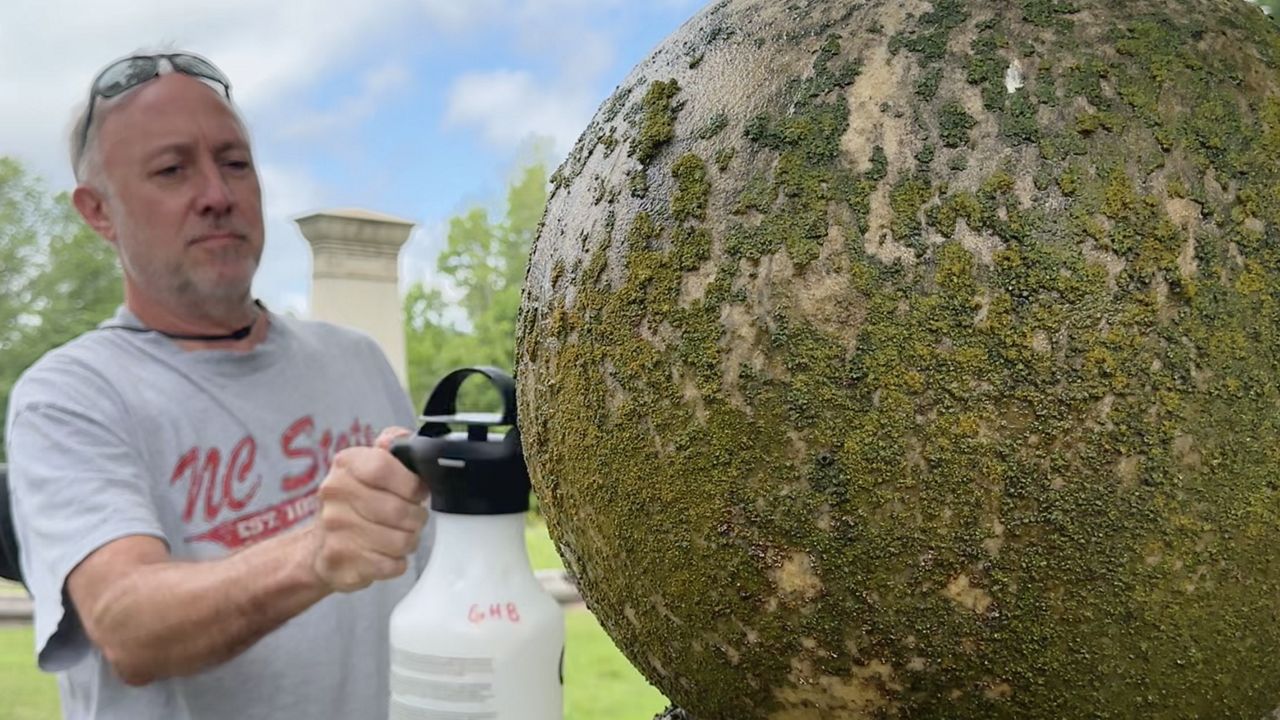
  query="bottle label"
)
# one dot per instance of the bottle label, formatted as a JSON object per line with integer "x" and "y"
{"x": 421, "y": 684}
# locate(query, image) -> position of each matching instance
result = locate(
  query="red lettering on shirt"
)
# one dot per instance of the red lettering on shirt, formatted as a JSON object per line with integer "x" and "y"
{"x": 239, "y": 466}
{"x": 186, "y": 466}
{"x": 234, "y": 486}
{"x": 297, "y": 433}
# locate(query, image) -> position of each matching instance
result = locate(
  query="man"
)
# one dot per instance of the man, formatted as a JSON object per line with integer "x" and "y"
{"x": 205, "y": 527}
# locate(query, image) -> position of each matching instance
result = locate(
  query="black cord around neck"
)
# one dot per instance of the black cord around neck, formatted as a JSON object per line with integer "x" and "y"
{"x": 239, "y": 334}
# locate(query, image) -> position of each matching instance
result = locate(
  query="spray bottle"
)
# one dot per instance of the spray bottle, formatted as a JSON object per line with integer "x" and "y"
{"x": 477, "y": 638}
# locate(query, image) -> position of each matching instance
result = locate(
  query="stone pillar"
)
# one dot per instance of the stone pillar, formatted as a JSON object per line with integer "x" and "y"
{"x": 355, "y": 275}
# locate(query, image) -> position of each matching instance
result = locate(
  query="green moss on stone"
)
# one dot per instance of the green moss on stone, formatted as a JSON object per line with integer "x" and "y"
{"x": 986, "y": 67}
{"x": 928, "y": 38}
{"x": 724, "y": 156}
{"x": 714, "y": 126}
{"x": 689, "y": 202}
{"x": 927, "y": 85}
{"x": 955, "y": 124}
{"x": 1070, "y": 423}
{"x": 906, "y": 199}
{"x": 657, "y": 121}
{"x": 1048, "y": 13}
{"x": 609, "y": 141}
{"x": 1018, "y": 123}
{"x": 638, "y": 183}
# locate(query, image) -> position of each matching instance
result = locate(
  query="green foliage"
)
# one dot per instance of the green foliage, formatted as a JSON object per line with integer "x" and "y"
{"x": 59, "y": 279}
{"x": 927, "y": 85}
{"x": 484, "y": 261}
{"x": 724, "y": 156}
{"x": 906, "y": 198}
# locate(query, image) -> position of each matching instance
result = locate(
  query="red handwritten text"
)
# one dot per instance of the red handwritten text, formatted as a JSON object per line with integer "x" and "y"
{"x": 495, "y": 612}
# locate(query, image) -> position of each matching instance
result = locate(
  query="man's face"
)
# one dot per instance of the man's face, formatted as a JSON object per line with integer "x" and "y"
{"x": 183, "y": 200}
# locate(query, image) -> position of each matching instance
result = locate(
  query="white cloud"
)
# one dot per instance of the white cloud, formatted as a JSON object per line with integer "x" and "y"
{"x": 456, "y": 15}
{"x": 418, "y": 256}
{"x": 376, "y": 86}
{"x": 284, "y": 275}
{"x": 277, "y": 55}
{"x": 509, "y": 106}
{"x": 459, "y": 15}
{"x": 271, "y": 51}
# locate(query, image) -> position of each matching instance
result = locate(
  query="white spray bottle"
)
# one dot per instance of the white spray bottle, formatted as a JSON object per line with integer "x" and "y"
{"x": 477, "y": 638}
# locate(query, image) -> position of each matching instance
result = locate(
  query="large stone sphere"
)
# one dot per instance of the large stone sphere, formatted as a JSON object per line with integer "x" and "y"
{"x": 922, "y": 359}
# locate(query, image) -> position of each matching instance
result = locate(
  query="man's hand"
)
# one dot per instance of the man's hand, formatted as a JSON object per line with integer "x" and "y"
{"x": 371, "y": 516}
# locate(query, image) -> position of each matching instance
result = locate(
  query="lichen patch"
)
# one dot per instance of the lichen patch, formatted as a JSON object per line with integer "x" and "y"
{"x": 796, "y": 580}
{"x": 693, "y": 284}
{"x": 982, "y": 245}
{"x": 1186, "y": 214}
{"x": 868, "y": 691}
{"x": 879, "y": 241}
{"x": 881, "y": 74}
{"x": 822, "y": 299}
{"x": 998, "y": 691}
{"x": 963, "y": 593}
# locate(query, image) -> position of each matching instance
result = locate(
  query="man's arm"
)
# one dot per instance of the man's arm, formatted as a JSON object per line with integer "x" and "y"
{"x": 153, "y": 617}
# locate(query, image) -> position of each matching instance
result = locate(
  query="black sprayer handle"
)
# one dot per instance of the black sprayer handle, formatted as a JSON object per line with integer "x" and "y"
{"x": 402, "y": 450}
{"x": 444, "y": 397}
{"x": 443, "y": 404}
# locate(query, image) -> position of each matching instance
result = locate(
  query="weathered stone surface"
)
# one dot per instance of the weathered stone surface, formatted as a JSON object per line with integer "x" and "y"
{"x": 922, "y": 359}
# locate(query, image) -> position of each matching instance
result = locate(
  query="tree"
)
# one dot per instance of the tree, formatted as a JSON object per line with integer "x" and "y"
{"x": 57, "y": 278}
{"x": 484, "y": 262}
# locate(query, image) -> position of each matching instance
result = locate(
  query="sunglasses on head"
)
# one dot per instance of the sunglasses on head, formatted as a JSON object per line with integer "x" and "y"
{"x": 128, "y": 73}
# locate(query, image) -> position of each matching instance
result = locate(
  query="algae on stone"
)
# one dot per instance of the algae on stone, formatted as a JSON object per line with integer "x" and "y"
{"x": 956, "y": 394}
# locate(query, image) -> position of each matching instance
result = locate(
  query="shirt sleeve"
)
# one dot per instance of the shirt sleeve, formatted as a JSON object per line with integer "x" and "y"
{"x": 77, "y": 483}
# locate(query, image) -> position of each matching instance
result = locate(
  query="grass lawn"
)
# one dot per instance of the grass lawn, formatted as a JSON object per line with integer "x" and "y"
{"x": 599, "y": 682}
{"x": 27, "y": 693}
{"x": 542, "y": 552}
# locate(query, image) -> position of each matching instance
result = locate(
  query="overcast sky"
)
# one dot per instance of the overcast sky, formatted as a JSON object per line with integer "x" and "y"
{"x": 416, "y": 108}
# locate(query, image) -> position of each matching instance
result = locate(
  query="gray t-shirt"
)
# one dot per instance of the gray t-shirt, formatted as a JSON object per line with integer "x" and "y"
{"x": 123, "y": 433}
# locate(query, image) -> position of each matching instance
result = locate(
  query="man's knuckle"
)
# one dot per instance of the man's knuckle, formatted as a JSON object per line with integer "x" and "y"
{"x": 404, "y": 515}
{"x": 331, "y": 490}
{"x": 393, "y": 567}
{"x": 341, "y": 460}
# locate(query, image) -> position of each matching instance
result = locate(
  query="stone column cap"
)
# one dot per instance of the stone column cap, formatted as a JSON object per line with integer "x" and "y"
{"x": 356, "y": 214}
{"x": 354, "y": 231}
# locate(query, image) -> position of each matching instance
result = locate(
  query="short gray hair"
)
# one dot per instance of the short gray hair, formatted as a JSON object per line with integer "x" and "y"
{"x": 84, "y": 164}
{"x": 85, "y": 160}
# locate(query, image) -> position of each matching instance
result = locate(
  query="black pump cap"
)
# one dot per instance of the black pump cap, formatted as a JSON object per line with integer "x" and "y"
{"x": 471, "y": 474}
